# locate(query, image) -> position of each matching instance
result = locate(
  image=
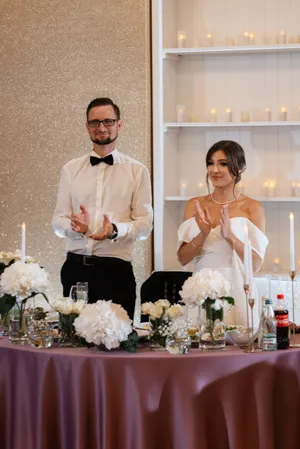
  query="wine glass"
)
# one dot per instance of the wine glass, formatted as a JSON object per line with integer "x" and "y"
{"x": 82, "y": 291}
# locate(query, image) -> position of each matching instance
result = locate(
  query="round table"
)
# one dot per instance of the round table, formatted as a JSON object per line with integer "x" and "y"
{"x": 81, "y": 398}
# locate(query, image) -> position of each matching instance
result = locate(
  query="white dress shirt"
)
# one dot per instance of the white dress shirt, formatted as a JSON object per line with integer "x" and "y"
{"x": 121, "y": 190}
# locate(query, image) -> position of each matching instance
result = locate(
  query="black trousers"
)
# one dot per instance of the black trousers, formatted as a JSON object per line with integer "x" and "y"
{"x": 107, "y": 277}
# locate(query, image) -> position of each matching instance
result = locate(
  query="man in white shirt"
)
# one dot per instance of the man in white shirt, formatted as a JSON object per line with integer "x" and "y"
{"x": 103, "y": 206}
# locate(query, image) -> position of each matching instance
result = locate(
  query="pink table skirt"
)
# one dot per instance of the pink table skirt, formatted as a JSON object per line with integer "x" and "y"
{"x": 86, "y": 399}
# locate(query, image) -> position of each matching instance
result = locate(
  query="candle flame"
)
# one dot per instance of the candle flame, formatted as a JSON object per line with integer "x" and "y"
{"x": 209, "y": 35}
{"x": 291, "y": 216}
{"x": 246, "y": 34}
{"x": 283, "y": 109}
{"x": 251, "y": 36}
{"x": 276, "y": 260}
{"x": 23, "y": 226}
{"x": 268, "y": 109}
{"x": 213, "y": 111}
{"x": 228, "y": 110}
{"x": 282, "y": 33}
{"x": 183, "y": 185}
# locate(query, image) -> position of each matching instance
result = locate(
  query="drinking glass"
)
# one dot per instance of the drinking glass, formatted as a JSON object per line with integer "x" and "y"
{"x": 82, "y": 291}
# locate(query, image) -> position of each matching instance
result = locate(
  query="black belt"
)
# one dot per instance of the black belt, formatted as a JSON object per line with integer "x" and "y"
{"x": 94, "y": 260}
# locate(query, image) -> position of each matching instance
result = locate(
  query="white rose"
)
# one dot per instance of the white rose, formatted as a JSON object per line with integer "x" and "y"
{"x": 146, "y": 307}
{"x": 163, "y": 303}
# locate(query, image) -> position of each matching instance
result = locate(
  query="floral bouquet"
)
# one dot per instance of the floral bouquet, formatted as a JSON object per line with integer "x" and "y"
{"x": 68, "y": 311}
{"x": 209, "y": 290}
{"x": 19, "y": 282}
{"x": 161, "y": 314}
{"x": 107, "y": 326}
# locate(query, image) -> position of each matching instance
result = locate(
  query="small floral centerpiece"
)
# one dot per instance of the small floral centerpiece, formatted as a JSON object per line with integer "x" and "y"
{"x": 19, "y": 282}
{"x": 161, "y": 313}
{"x": 209, "y": 290}
{"x": 68, "y": 311}
{"x": 107, "y": 326}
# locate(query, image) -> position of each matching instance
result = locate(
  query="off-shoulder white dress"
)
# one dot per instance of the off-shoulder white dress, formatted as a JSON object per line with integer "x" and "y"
{"x": 217, "y": 254}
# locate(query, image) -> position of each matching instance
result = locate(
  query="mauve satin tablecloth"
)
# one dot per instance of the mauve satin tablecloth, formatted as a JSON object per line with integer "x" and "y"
{"x": 86, "y": 399}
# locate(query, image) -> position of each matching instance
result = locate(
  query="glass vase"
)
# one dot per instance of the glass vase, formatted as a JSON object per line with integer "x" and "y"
{"x": 40, "y": 334}
{"x": 211, "y": 326}
{"x": 156, "y": 340}
{"x": 178, "y": 344}
{"x": 18, "y": 326}
{"x": 4, "y": 324}
{"x": 68, "y": 337}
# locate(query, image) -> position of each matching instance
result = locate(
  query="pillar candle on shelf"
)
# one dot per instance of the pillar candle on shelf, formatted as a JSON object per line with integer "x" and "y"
{"x": 201, "y": 188}
{"x": 292, "y": 243}
{"x": 268, "y": 115}
{"x": 281, "y": 37}
{"x": 271, "y": 188}
{"x": 283, "y": 114}
{"x": 228, "y": 115}
{"x": 276, "y": 266}
{"x": 245, "y": 116}
{"x": 213, "y": 115}
{"x": 23, "y": 243}
{"x": 246, "y": 38}
{"x": 296, "y": 189}
{"x": 182, "y": 188}
{"x": 181, "y": 37}
{"x": 180, "y": 112}
{"x": 209, "y": 40}
{"x": 252, "y": 39}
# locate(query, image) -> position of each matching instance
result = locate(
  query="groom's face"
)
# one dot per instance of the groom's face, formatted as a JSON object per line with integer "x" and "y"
{"x": 217, "y": 170}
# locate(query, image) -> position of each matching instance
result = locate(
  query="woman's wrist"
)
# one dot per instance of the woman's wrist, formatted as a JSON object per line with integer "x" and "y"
{"x": 231, "y": 239}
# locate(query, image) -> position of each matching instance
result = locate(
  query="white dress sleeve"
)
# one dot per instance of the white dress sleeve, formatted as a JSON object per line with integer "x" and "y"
{"x": 187, "y": 231}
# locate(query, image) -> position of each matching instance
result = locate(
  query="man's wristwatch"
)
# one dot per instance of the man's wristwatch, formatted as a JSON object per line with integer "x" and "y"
{"x": 114, "y": 233}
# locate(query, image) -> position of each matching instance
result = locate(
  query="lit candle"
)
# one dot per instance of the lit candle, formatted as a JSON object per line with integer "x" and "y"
{"x": 296, "y": 189}
{"x": 271, "y": 188}
{"x": 229, "y": 41}
{"x": 268, "y": 115}
{"x": 252, "y": 38}
{"x": 180, "y": 112}
{"x": 181, "y": 36}
{"x": 182, "y": 189}
{"x": 292, "y": 243}
{"x": 23, "y": 243}
{"x": 209, "y": 40}
{"x": 276, "y": 266}
{"x": 246, "y": 38}
{"x": 213, "y": 115}
{"x": 201, "y": 188}
{"x": 246, "y": 257}
{"x": 282, "y": 37}
{"x": 245, "y": 116}
{"x": 250, "y": 266}
{"x": 283, "y": 114}
{"x": 228, "y": 115}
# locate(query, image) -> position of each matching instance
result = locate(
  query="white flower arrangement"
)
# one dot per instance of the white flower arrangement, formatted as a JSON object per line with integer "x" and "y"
{"x": 103, "y": 323}
{"x": 203, "y": 285}
{"x": 7, "y": 257}
{"x": 66, "y": 306}
{"x": 23, "y": 280}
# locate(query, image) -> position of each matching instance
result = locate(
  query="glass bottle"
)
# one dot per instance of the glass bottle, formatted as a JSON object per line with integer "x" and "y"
{"x": 269, "y": 327}
{"x": 282, "y": 323}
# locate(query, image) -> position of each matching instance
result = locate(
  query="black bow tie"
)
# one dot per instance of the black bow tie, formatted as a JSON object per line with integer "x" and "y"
{"x": 97, "y": 160}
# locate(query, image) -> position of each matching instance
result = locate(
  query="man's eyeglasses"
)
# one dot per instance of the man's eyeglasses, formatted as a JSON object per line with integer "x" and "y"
{"x": 107, "y": 122}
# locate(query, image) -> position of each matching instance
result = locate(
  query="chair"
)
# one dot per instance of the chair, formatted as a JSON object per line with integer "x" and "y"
{"x": 164, "y": 285}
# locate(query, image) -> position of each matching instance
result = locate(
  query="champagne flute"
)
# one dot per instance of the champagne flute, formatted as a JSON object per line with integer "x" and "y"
{"x": 82, "y": 291}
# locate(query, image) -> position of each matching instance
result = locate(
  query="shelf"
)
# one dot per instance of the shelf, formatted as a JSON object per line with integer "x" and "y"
{"x": 263, "y": 199}
{"x": 172, "y": 125}
{"x": 255, "y": 49}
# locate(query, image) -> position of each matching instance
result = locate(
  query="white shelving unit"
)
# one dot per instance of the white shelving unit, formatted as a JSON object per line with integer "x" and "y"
{"x": 241, "y": 78}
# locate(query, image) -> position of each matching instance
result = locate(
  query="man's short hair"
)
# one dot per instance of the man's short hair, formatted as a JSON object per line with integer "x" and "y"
{"x": 103, "y": 101}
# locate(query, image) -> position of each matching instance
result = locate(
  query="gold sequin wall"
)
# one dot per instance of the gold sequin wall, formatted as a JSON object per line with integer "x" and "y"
{"x": 55, "y": 58}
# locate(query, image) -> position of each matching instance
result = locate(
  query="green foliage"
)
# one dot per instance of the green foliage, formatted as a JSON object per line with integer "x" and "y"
{"x": 6, "y": 303}
{"x": 131, "y": 343}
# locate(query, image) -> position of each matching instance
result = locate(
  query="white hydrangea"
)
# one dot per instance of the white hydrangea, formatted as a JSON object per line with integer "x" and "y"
{"x": 205, "y": 284}
{"x": 103, "y": 323}
{"x": 67, "y": 306}
{"x": 21, "y": 280}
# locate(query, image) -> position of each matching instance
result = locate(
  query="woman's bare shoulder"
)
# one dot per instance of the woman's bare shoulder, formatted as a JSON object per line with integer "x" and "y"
{"x": 254, "y": 211}
{"x": 190, "y": 208}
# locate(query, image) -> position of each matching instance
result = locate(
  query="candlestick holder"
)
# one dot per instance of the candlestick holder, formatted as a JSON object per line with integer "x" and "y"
{"x": 293, "y": 343}
{"x": 251, "y": 347}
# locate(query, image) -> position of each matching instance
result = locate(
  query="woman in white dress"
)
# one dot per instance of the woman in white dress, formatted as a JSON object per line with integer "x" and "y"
{"x": 212, "y": 234}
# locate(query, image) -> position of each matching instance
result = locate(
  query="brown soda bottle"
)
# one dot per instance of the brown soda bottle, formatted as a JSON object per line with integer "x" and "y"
{"x": 282, "y": 323}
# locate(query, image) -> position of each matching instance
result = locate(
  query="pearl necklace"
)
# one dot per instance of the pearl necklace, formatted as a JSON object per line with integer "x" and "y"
{"x": 225, "y": 202}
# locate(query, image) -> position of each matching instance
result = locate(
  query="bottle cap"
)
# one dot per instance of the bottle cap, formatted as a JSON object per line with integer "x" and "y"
{"x": 280, "y": 296}
{"x": 268, "y": 301}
